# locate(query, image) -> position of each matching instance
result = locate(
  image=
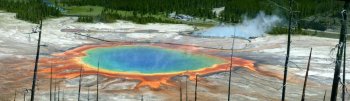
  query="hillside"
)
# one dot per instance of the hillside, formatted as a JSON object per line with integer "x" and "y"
{"x": 321, "y": 15}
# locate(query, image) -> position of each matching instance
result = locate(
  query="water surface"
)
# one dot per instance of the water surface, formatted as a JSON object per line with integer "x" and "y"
{"x": 147, "y": 59}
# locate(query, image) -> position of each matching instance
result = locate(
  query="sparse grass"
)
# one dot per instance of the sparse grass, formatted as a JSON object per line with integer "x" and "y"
{"x": 83, "y": 10}
{"x": 283, "y": 30}
{"x": 161, "y": 16}
{"x": 109, "y": 16}
{"x": 199, "y": 24}
{"x": 164, "y": 17}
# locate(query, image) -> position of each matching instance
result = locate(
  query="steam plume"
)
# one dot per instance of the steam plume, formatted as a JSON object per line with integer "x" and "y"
{"x": 256, "y": 27}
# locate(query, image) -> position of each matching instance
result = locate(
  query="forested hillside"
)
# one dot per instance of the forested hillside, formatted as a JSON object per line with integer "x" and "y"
{"x": 29, "y": 10}
{"x": 199, "y": 8}
{"x": 145, "y": 11}
{"x": 234, "y": 9}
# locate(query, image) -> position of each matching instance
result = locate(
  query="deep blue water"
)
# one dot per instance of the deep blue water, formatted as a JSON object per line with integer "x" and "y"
{"x": 147, "y": 60}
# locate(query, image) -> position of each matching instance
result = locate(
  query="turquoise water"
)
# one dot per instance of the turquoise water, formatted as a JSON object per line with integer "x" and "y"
{"x": 147, "y": 60}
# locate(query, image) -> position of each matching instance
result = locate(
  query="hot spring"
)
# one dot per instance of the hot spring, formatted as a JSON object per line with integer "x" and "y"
{"x": 146, "y": 60}
{"x": 151, "y": 64}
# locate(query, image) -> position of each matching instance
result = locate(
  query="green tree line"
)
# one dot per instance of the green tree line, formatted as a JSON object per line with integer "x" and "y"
{"x": 110, "y": 15}
{"x": 234, "y": 9}
{"x": 198, "y": 8}
{"x": 29, "y": 10}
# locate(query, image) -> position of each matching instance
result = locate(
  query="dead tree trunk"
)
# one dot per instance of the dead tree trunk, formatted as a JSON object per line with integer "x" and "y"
{"x": 36, "y": 61}
{"x": 14, "y": 99}
{"x": 288, "y": 51}
{"x": 344, "y": 68}
{"x": 59, "y": 90}
{"x": 324, "y": 96}
{"x": 55, "y": 92}
{"x": 51, "y": 82}
{"x": 88, "y": 97}
{"x": 186, "y": 88}
{"x": 81, "y": 69}
{"x": 229, "y": 80}
{"x": 180, "y": 90}
{"x": 98, "y": 70}
{"x": 195, "y": 89}
{"x": 343, "y": 31}
{"x": 63, "y": 94}
{"x": 142, "y": 97}
{"x": 24, "y": 96}
{"x": 306, "y": 76}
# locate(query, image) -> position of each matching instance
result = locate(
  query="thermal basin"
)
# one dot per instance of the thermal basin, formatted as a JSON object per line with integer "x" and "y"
{"x": 152, "y": 64}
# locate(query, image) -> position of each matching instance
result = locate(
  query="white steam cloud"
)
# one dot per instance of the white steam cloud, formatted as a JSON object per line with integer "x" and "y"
{"x": 256, "y": 27}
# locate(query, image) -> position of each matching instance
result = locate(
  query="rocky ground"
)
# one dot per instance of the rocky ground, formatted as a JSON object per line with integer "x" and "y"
{"x": 17, "y": 53}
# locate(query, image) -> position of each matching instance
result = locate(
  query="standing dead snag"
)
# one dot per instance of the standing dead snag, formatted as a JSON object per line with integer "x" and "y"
{"x": 25, "y": 93}
{"x": 344, "y": 73}
{"x": 288, "y": 51}
{"x": 186, "y": 86}
{"x": 229, "y": 80}
{"x": 51, "y": 82}
{"x": 81, "y": 69}
{"x": 98, "y": 70}
{"x": 142, "y": 97}
{"x": 14, "y": 99}
{"x": 88, "y": 96}
{"x": 195, "y": 89}
{"x": 324, "y": 96}
{"x": 36, "y": 61}
{"x": 63, "y": 94}
{"x": 341, "y": 49}
{"x": 180, "y": 90}
{"x": 306, "y": 76}
{"x": 55, "y": 92}
{"x": 59, "y": 91}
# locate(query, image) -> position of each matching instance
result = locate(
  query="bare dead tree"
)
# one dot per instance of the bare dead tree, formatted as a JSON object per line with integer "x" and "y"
{"x": 51, "y": 82}
{"x": 341, "y": 49}
{"x": 306, "y": 76}
{"x": 230, "y": 76}
{"x": 55, "y": 92}
{"x": 186, "y": 79}
{"x": 344, "y": 68}
{"x": 24, "y": 96}
{"x": 324, "y": 96}
{"x": 180, "y": 90}
{"x": 88, "y": 97}
{"x": 98, "y": 70}
{"x": 36, "y": 60}
{"x": 14, "y": 99}
{"x": 142, "y": 97}
{"x": 288, "y": 51}
{"x": 25, "y": 92}
{"x": 195, "y": 89}
{"x": 81, "y": 69}
{"x": 59, "y": 90}
{"x": 186, "y": 86}
{"x": 63, "y": 94}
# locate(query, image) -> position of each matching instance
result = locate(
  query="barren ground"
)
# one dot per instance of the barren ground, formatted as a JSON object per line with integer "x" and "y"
{"x": 17, "y": 53}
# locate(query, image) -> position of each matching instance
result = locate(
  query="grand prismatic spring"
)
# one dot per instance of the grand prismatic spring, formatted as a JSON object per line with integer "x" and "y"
{"x": 146, "y": 60}
{"x": 152, "y": 64}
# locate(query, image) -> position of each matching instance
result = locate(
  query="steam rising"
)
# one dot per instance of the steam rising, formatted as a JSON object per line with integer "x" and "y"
{"x": 256, "y": 27}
